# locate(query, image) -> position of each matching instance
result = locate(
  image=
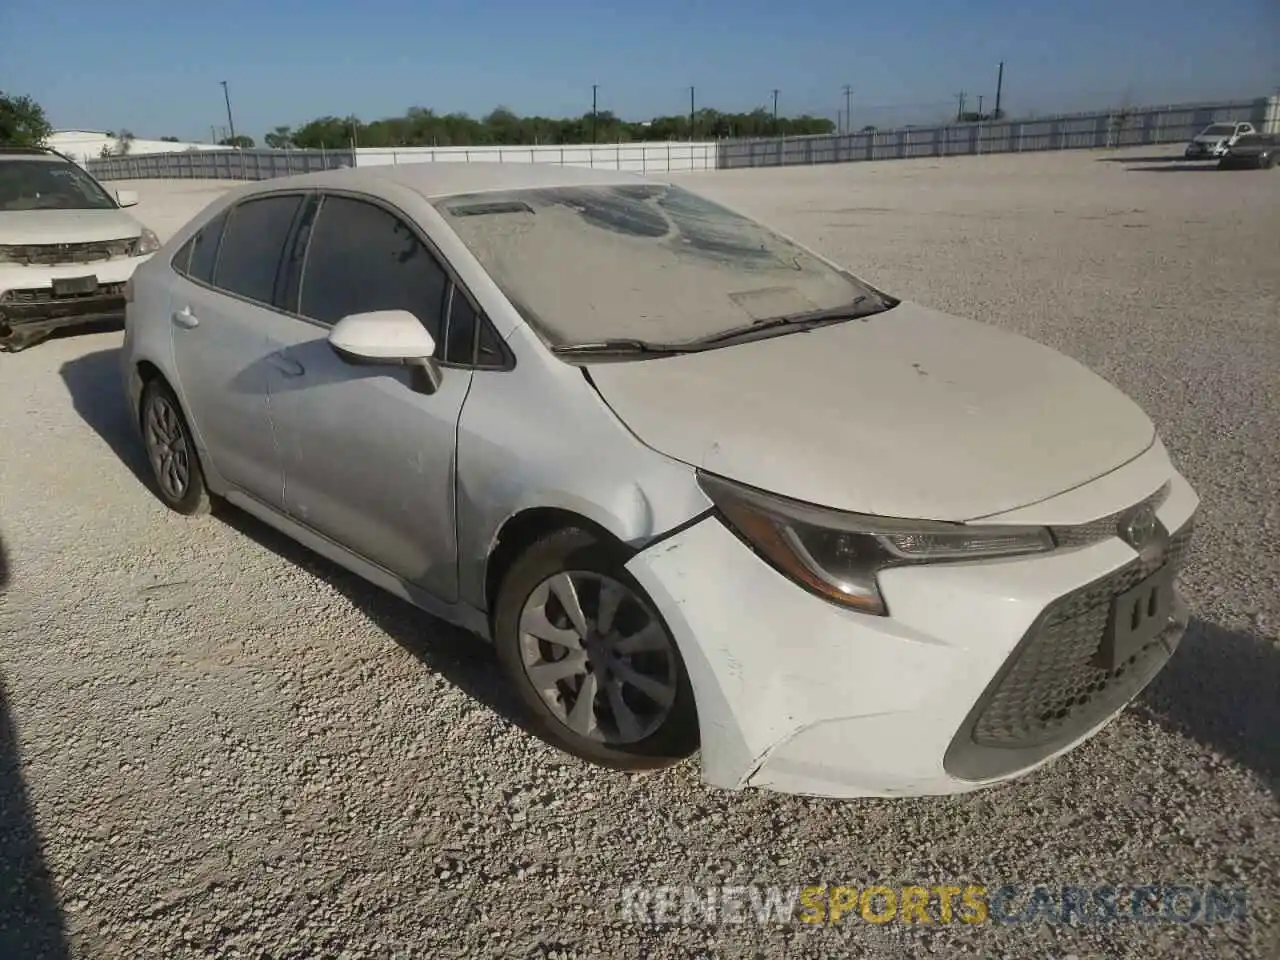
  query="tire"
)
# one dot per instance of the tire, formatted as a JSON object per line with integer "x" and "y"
{"x": 641, "y": 715}
{"x": 171, "y": 452}
{"x": 1268, "y": 162}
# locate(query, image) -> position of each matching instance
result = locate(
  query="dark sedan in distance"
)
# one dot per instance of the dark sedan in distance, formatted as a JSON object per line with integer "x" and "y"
{"x": 1256, "y": 151}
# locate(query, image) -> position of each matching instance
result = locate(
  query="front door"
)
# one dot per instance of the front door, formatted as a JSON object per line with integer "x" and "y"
{"x": 368, "y": 461}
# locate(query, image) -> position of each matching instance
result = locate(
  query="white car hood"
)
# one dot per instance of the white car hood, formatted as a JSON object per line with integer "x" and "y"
{"x": 66, "y": 226}
{"x": 910, "y": 413}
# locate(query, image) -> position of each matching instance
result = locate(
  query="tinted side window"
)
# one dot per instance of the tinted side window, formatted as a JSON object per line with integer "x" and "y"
{"x": 204, "y": 249}
{"x": 460, "y": 345}
{"x": 362, "y": 258}
{"x": 490, "y": 352}
{"x": 183, "y": 256}
{"x": 252, "y": 245}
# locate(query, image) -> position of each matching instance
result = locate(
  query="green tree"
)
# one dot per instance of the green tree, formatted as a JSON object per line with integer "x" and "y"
{"x": 423, "y": 127}
{"x": 280, "y": 138}
{"x": 239, "y": 140}
{"x": 22, "y": 121}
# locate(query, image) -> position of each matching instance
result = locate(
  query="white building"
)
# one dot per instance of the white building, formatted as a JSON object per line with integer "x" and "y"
{"x": 83, "y": 145}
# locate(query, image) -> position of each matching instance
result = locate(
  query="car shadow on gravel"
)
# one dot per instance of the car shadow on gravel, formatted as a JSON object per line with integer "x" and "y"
{"x": 1146, "y": 158}
{"x": 31, "y": 924}
{"x": 458, "y": 656}
{"x": 1177, "y": 168}
{"x": 97, "y": 394}
{"x": 461, "y": 658}
{"x": 1222, "y": 689}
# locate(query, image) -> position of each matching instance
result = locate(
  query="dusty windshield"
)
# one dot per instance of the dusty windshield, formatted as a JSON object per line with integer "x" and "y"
{"x": 1218, "y": 130}
{"x": 650, "y": 262}
{"x": 49, "y": 185}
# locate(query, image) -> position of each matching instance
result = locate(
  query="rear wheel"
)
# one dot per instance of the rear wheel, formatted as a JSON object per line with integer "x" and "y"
{"x": 590, "y": 657}
{"x": 1268, "y": 161}
{"x": 175, "y": 467}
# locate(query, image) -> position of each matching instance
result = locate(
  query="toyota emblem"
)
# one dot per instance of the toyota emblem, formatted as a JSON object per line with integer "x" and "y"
{"x": 1140, "y": 529}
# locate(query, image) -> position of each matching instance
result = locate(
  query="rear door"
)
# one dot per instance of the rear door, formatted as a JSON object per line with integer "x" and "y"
{"x": 219, "y": 312}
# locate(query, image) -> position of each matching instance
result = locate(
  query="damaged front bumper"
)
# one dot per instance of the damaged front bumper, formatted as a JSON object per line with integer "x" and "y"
{"x": 948, "y": 694}
{"x": 34, "y": 302}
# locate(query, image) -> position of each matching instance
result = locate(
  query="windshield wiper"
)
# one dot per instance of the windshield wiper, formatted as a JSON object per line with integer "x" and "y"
{"x": 804, "y": 320}
{"x": 624, "y": 346}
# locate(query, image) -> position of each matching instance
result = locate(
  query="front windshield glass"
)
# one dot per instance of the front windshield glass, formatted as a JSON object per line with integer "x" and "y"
{"x": 40, "y": 184}
{"x": 650, "y": 262}
{"x": 1218, "y": 130}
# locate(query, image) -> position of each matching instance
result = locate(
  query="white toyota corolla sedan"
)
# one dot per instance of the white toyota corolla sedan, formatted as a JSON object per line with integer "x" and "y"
{"x": 701, "y": 487}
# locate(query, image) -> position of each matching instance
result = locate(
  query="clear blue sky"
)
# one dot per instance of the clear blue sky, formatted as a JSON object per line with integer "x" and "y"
{"x": 154, "y": 66}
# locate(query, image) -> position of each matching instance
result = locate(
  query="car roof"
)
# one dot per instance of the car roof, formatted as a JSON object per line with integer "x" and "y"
{"x": 31, "y": 153}
{"x": 436, "y": 179}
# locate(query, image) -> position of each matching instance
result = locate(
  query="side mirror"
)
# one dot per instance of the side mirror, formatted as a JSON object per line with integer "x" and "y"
{"x": 388, "y": 337}
{"x": 127, "y": 198}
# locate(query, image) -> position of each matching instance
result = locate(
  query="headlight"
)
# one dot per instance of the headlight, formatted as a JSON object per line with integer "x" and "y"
{"x": 837, "y": 555}
{"x": 148, "y": 242}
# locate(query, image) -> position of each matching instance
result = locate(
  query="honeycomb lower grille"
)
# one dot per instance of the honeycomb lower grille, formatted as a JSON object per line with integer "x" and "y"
{"x": 46, "y": 295}
{"x": 1053, "y": 685}
{"x": 52, "y": 254}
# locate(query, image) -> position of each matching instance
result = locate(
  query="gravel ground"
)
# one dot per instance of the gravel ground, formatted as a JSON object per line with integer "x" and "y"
{"x": 213, "y": 743}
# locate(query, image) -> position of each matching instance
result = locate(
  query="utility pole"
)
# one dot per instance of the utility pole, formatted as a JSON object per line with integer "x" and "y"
{"x": 848, "y": 116}
{"x": 960, "y": 110}
{"x": 691, "y": 114}
{"x": 999, "y": 87}
{"x": 775, "y": 111}
{"x": 979, "y": 107}
{"x": 231, "y": 124}
{"x": 594, "y": 88}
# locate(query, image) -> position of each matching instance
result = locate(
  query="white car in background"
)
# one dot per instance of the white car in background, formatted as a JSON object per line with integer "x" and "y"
{"x": 700, "y": 486}
{"x": 1216, "y": 139}
{"x": 66, "y": 246}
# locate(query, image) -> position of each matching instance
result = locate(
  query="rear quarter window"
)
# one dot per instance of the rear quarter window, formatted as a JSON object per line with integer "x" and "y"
{"x": 199, "y": 255}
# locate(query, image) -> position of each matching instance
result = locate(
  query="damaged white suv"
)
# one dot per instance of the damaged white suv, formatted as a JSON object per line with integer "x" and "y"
{"x": 66, "y": 246}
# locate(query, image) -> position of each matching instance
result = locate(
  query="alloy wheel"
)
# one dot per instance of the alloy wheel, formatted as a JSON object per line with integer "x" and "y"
{"x": 598, "y": 656}
{"x": 168, "y": 447}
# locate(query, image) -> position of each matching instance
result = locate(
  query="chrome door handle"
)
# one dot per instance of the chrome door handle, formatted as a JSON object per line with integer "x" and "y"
{"x": 185, "y": 318}
{"x": 286, "y": 364}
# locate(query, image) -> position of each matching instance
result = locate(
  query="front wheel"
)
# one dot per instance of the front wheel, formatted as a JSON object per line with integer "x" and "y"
{"x": 590, "y": 657}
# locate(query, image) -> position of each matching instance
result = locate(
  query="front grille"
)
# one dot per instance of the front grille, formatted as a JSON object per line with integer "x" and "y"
{"x": 45, "y": 295}
{"x": 1054, "y": 688}
{"x": 52, "y": 254}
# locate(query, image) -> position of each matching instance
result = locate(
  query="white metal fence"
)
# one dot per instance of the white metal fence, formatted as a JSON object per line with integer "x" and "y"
{"x": 652, "y": 157}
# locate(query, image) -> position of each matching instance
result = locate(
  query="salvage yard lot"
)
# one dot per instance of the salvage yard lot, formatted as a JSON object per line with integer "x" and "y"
{"x": 231, "y": 748}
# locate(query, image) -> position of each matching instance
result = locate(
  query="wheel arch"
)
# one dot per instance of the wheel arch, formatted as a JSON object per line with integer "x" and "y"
{"x": 526, "y": 527}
